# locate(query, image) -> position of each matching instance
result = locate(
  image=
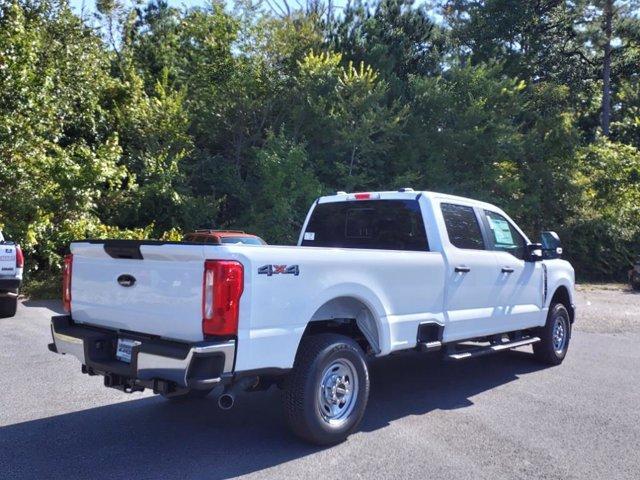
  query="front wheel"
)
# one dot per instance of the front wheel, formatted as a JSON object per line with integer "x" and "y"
{"x": 326, "y": 393}
{"x": 554, "y": 336}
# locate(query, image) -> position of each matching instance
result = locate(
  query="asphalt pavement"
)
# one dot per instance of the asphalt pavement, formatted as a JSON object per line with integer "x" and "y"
{"x": 497, "y": 417}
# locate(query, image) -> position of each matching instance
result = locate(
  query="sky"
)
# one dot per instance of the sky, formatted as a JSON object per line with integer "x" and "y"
{"x": 89, "y": 5}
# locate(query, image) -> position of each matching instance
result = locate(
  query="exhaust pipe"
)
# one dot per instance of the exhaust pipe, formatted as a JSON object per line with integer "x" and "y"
{"x": 226, "y": 401}
{"x": 228, "y": 398}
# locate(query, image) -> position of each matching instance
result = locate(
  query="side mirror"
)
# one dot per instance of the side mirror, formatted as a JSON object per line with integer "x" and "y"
{"x": 534, "y": 252}
{"x": 551, "y": 246}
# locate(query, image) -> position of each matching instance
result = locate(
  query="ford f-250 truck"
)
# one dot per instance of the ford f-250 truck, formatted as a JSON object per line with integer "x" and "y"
{"x": 11, "y": 268}
{"x": 373, "y": 274}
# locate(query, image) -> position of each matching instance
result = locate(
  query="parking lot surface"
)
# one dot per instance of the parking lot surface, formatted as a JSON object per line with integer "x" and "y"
{"x": 497, "y": 417}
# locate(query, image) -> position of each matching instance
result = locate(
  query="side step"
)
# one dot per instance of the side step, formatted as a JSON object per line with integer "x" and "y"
{"x": 430, "y": 346}
{"x": 479, "y": 351}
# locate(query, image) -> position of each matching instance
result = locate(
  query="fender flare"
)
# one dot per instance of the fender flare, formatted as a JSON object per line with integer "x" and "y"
{"x": 362, "y": 294}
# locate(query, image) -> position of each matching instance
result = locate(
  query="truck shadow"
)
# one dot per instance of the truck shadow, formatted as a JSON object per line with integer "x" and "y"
{"x": 153, "y": 438}
{"x": 53, "y": 305}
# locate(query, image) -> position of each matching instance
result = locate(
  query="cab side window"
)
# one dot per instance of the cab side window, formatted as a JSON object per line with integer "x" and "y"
{"x": 462, "y": 226}
{"x": 503, "y": 236}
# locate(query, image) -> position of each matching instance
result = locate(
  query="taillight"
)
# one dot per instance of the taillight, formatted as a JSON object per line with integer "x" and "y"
{"x": 222, "y": 287}
{"x": 19, "y": 257}
{"x": 66, "y": 282}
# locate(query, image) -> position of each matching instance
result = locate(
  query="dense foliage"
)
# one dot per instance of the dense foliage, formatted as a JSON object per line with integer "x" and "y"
{"x": 151, "y": 121}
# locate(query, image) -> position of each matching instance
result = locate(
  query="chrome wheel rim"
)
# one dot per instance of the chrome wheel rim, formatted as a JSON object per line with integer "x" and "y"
{"x": 338, "y": 392}
{"x": 560, "y": 334}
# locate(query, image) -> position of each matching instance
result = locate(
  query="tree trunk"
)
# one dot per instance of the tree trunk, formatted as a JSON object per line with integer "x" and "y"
{"x": 353, "y": 159}
{"x": 606, "y": 68}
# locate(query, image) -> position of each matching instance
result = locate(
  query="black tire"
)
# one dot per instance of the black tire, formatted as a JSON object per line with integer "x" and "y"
{"x": 8, "y": 306}
{"x": 554, "y": 336}
{"x": 188, "y": 395}
{"x": 337, "y": 363}
{"x": 635, "y": 286}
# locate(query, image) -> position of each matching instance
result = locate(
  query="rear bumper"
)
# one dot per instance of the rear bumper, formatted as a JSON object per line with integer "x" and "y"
{"x": 163, "y": 365}
{"x": 9, "y": 285}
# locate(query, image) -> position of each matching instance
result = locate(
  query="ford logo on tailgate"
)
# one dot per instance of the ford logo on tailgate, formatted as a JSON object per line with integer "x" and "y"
{"x": 126, "y": 280}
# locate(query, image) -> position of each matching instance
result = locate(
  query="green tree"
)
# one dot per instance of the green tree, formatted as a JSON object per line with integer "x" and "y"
{"x": 283, "y": 186}
{"x": 395, "y": 37}
{"x": 154, "y": 142}
{"x": 467, "y": 134}
{"x": 155, "y": 120}
{"x": 58, "y": 156}
{"x": 604, "y": 235}
{"x": 534, "y": 40}
{"x": 347, "y": 121}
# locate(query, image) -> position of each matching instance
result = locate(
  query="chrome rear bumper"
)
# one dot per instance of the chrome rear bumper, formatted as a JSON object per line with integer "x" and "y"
{"x": 199, "y": 365}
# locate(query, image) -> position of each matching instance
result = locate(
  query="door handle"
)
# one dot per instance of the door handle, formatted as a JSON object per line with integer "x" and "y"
{"x": 462, "y": 269}
{"x": 507, "y": 270}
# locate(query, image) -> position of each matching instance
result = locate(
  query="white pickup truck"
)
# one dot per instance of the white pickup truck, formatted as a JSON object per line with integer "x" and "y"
{"x": 11, "y": 268}
{"x": 372, "y": 274}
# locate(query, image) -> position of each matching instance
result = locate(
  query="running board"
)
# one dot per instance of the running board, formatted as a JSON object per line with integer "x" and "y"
{"x": 479, "y": 351}
{"x": 429, "y": 346}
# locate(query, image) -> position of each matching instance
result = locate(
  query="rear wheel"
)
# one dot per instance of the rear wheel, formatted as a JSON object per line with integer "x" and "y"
{"x": 554, "y": 336}
{"x": 8, "y": 306}
{"x": 326, "y": 393}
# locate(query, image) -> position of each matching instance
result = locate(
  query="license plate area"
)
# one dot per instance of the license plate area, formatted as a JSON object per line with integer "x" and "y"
{"x": 124, "y": 349}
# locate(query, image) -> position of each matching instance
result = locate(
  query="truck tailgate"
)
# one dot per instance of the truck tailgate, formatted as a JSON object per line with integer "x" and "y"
{"x": 7, "y": 259}
{"x": 157, "y": 292}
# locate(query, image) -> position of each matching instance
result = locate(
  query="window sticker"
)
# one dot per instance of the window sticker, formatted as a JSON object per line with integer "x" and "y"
{"x": 501, "y": 231}
{"x": 311, "y": 236}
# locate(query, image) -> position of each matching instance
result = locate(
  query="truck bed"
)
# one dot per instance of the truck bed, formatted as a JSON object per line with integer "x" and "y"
{"x": 283, "y": 288}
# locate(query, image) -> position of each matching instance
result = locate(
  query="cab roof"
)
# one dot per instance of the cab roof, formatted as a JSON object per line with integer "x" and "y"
{"x": 401, "y": 194}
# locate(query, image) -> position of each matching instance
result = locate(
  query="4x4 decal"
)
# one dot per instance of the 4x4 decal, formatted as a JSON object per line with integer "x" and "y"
{"x": 279, "y": 269}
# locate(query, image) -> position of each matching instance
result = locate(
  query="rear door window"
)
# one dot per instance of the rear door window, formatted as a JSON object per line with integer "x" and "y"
{"x": 374, "y": 224}
{"x": 462, "y": 225}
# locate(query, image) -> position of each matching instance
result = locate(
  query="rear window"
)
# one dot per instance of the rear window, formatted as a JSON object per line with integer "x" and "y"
{"x": 462, "y": 226}
{"x": 201, "y": 239}
{"x": 243, "y": 240}
{"x": 375, "y": 224}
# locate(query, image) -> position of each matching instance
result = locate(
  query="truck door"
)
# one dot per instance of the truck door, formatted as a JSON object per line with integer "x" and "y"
{"x": 472, "y": 275}
{"x": 519, "y": 301}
